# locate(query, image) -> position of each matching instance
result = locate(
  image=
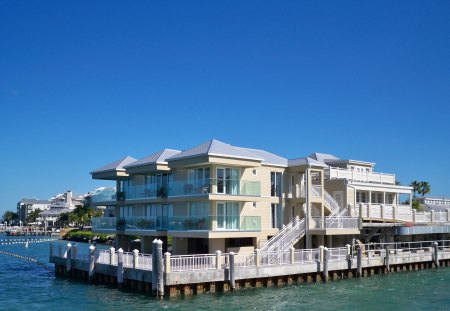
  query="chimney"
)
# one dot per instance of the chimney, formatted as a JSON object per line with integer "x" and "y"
{"x": 69, "y": 198}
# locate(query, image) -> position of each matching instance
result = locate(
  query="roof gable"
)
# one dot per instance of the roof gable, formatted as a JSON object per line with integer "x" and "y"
{"x": 267, "y": 157}
{"x": 116, "y": 165}
{"x": 158, "y": 157}
{"x": 215, "y": 148}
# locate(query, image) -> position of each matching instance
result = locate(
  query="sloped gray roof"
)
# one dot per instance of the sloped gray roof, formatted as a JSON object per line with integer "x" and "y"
{"x": 306, "y": 161}
{"x": 436, "y": 207}
{"x": 34, "y": 201}
{"x": 268, "y": 158}
{"x": 323, "y": 157}
{"x": 116, "y": 165}
{"x": 157, "y": 157}
{"x": 216, "y": 148}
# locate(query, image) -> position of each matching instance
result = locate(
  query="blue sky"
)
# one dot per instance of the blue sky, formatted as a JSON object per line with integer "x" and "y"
{"x": 85, "y": 83}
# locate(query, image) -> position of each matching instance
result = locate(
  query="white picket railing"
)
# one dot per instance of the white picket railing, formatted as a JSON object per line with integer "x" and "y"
{"x": 193, "y": 262}
{"x": 335, "y": 222}
{"x": 369, "y": 177}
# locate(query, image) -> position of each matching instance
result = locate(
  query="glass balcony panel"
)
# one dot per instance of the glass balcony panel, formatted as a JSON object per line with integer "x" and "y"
{"x": 104, "y": 196}
{"x": 104, "y": 223}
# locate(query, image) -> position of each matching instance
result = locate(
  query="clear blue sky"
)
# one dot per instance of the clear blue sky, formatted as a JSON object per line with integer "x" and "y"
{"x": 84, "y": 83}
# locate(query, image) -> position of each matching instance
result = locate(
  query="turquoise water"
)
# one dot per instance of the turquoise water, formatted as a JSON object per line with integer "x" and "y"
{"x": 25, "y": 285}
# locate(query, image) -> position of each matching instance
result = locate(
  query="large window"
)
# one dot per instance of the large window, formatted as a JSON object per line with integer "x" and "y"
{"x": 361, "y": 197}
{"x": 228, "y": 181}
{"x": 199, "y": 177}
{"x": 227, "y": 215}
{"x": 275, "y": 184}
{"x": 199, "y": 209}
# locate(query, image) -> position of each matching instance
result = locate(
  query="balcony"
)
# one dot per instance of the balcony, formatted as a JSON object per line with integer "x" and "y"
{"x": 179, "y": 223}
{"x": 104, "y": 196}
{"x": 192, "y": 188}
{"x": 372, "y": 177}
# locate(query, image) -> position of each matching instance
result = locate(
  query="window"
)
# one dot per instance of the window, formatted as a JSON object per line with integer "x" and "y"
{"x": 275, "y": 184}
{"x": 228, "y": 181}
{"x": 276, "y": 215}
{"x": 227, "y": 215}
{"x": 254, "y": 204}
{"x": 254, "y": 173}
{"x": 361, "y": 197}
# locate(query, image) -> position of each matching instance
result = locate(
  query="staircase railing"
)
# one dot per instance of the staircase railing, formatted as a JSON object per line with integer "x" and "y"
{"x": 331, "y": 202}
{"x": 287, "y": 237}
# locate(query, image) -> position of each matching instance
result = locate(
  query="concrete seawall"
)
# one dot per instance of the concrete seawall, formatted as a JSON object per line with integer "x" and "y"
{"x": 228, "y": 277}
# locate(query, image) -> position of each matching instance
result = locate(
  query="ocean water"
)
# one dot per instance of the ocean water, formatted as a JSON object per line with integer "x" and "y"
{"x": 24, "y": 285}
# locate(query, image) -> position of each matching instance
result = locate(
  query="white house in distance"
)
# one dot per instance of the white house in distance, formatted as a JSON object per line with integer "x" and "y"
{"x": 26, "y": 206}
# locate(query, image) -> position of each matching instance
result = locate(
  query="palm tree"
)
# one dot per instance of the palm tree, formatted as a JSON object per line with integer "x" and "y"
{"x": 424, "y": 188}
{"x": 416, "y": 187}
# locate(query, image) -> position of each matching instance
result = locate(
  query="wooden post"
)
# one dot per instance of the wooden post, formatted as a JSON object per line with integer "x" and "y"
{"x": 167, "y": 262}
{"x": 436, "y": 254}
{"x": 120, "y": 267}
{"x": 218, "y": 259}
{"x": 232, "y": 271}
{"x": 325, "y": 264}
{"x": 359, "y": 262}
{"x": 69, "y": 257}
{"x": 386, "y": 259}
{"x": 91, "y": 262}
{"x": 154, "y": 266}
{"x": 160, "y": 270}
{"x": 135, "y": 259}
{"x": 112, "y": 252}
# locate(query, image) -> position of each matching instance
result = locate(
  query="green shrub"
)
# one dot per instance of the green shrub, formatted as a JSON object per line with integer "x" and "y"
{"x": 86, "y": 236}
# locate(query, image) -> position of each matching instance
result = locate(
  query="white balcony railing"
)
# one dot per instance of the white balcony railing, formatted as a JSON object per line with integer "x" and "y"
{"x": 369, "y": 177}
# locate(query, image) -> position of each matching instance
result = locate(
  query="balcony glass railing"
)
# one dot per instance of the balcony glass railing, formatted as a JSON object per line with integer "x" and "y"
{"x": 104, "y": 196}
{"x": 187, "y": 188}
{"x": 180, "y": 223}
{"x": 104, "y": 223}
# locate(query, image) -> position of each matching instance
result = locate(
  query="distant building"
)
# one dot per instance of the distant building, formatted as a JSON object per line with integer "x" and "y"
{"x": 61, "y": 203}
{"x": 434, "y": 203}
{"x": 26, "y": 206}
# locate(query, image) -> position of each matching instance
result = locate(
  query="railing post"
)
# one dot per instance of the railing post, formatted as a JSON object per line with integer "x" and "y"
{"x": 369, "y": 211}
{"x": 154, "y": 265}
{"x": 382, "y": 212}
{"x": 448, "y": 214}
{"x": 232, "y": 270}
{"x": 69, "y": 257}
{"x": 325, "y": 264}
{"x": 436, "y": 254}
{"x": 167, "y": 262}
{"x": 320, "y": 257}
{"x": 218, "y": 259}
{"x": 112, "y": 251}
{"x": 394, "y": 212}
{"x": 120, "y": 267}
{"x": 432, "y": 216}
{"x": 91, "y": 262}
{"x": 135, "y": 259}
{"x": 160, "y": 269}
{"x": 386, "y": 259}
{"x": 349, "y": 256}
{"x": 360, "y": 210}
{"x": 359, "y": 262}
{"x": 257, "y": 257}
{"x": 413, "y": 215}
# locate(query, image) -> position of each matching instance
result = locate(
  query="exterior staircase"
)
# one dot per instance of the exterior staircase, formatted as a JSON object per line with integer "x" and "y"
{"x": 286, "y": 237}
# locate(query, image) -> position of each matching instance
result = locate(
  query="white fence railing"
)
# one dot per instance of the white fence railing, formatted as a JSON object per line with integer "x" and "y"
{"x": 369, "y": 177}
{"x": 345, "y": 222}
{"x": 193, "y": 262}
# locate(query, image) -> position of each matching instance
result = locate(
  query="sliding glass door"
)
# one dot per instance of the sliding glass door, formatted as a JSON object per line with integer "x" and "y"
{"x": 228, "y": 181}
{"x": 227, "y": 215}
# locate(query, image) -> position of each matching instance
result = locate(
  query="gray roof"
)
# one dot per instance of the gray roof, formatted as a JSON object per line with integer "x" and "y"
{"x": 323, "y": 157}
{"x": 34, "y": 201}
{"x": 155, "y": 158}
{"x": 268, "y": 158}
{"x": 215, "y": 148}
{"x": 54, "y": 212}
{"x": 306, "y": 161}
{"x": 116, "y": 165}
